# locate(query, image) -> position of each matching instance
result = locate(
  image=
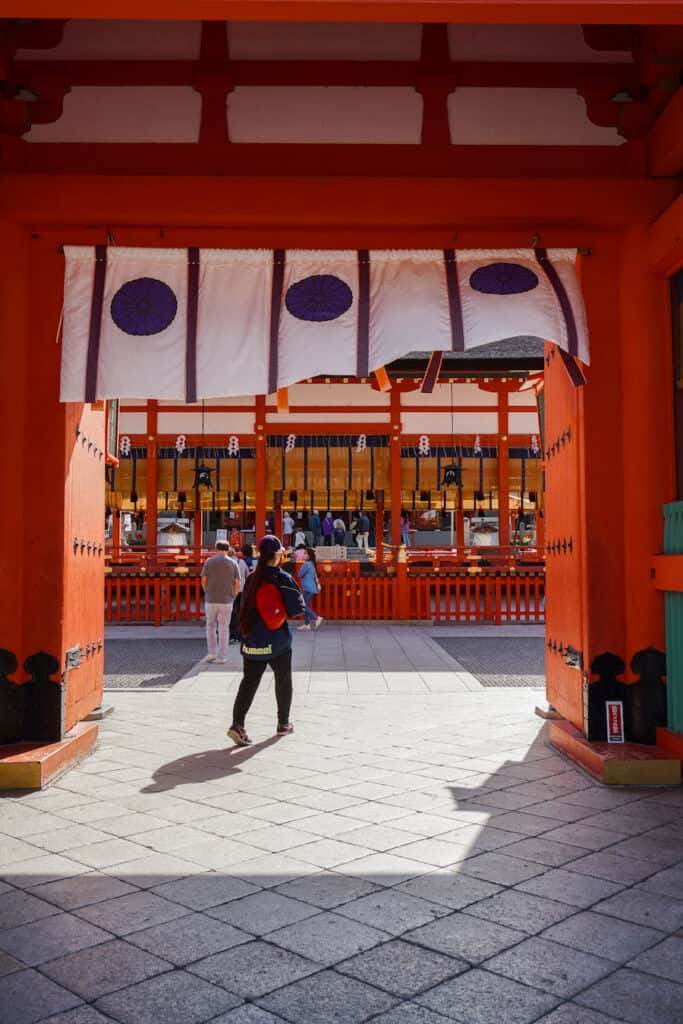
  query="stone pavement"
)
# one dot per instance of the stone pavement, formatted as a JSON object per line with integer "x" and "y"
{"x": 411, "y": 855}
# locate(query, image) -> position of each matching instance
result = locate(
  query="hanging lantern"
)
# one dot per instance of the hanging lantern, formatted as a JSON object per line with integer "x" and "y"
{"x": 180, "y": 443}
{"x": 534, "y": 446}
{"x": 478, "y": 450}
{"x": 451, "y": 475}
{"x": 134, "y": 497}
{"x": 236, "y": 496}
{"x": 293, "y": 497}
{"x": 424, "y": 447}
{"x": 361, "y": 443}
{"x": 291, "y": 443}
{"x": 233, "y": 446}
{"x": 124, "y": 445}
{"x": 182, "y": 498}
{"x": 369, "y": 495}
{"x": 202, "y": 477}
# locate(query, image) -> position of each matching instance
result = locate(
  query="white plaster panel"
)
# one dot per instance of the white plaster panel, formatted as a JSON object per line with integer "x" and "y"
{"x": 197, "y": 407}
{"x": 337, "y": 394}
{"x": 133, "y": 423}
{"x": 463, "y": 394}
{"x": 318, "y": 114}
{"x": 123, "y": 40}
{"x": 440, "y": 423}
{"x": 134, "y": 401}
{"x": 528, "y": 43}
{"x": 323, "y": 41}
{"x": 329, "y": 419}
{"x": 522, "y": 398}
{"x": 523, "y": 423}
{"x": 214, "y": 423}
{"x": 524, "y": 117}
{"x": 125, "y": 114}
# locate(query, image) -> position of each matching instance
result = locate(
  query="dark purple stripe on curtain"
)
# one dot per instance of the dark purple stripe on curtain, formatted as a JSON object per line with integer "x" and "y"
{"x": 363, "y": 340}
{"x": 99, "y": 276}
{"x": 454, "y": 303}
{"x": 350, "y": 469}
{"x": 192, "y": 312}
{"x": 431, "y": 373}
{"x": 275, "y": 307}
{"x": 563, "y": 299}
{"x": 576, "y": 374}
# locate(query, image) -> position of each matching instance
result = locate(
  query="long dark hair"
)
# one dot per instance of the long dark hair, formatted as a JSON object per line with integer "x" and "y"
{"x": 312, "y": 558}
{"x": 248, "y": 603}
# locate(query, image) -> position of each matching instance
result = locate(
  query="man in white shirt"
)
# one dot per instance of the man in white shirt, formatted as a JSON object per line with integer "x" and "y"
{"x": 287, "y": 529}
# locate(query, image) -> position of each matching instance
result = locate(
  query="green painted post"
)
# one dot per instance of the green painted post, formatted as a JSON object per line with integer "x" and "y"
{"x": 673, "y": 607}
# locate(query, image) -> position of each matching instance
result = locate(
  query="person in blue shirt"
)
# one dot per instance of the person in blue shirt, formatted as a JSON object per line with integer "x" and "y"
{"x": 310, "y": 585}
{"x": 314, "y": 527}
{"x": 263, "y": 646}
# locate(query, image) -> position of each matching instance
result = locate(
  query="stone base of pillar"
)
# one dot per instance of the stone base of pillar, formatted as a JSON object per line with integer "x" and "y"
{"x": 546, "y": 710}
{"x": 617, "y": 764}
{"x": 98, "y": 713}
{"x": 33, "y": 765}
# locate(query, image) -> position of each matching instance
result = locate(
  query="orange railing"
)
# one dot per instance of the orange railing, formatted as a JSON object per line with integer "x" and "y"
{"x": 456, "y": 598}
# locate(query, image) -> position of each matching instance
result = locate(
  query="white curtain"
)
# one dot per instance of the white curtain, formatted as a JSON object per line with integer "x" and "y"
{"x": 191, "y": 324}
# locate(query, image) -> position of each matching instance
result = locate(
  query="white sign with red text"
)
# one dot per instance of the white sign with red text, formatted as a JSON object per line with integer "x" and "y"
{"x": 614, "y": 710}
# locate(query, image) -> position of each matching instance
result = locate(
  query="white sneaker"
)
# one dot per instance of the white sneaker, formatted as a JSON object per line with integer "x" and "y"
{"x": 211, "y": 657}
{"x": 302, "y": 629}
{"x": 318, "y": 622}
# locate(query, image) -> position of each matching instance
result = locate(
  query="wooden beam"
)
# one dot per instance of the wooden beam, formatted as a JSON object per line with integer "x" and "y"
{"x": 506, "y": 209}
{"x": 447, "y": 75}
{"x": 521, "y": 12}
{"x": 325, "y": 161}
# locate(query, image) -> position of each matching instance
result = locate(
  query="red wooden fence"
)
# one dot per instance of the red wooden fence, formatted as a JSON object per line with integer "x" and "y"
{"x": 493, "y": 599}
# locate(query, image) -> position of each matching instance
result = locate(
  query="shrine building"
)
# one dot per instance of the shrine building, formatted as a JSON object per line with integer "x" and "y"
{"x": 419, "y": 262}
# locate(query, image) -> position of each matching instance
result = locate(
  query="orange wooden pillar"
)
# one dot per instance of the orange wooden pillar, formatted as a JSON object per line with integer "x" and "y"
{"x": 260, "y": 469}
{"x": 14, "y": 335}
{"x": 152, "y": 478}
{"x": 648, "y": 435}
{"x": 395, "y": 465}
{"x": 53, "y": 556}
{"x": 503, "y": 469}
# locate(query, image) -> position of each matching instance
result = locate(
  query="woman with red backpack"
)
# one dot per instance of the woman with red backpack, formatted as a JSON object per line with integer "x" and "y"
{"x": 270, "y": 597}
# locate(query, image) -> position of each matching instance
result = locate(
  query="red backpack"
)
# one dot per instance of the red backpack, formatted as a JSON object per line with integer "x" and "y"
{"x": 271, "y": 606}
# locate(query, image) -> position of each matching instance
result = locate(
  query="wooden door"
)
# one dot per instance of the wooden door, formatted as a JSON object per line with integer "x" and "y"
{"x": 564, "y": 538}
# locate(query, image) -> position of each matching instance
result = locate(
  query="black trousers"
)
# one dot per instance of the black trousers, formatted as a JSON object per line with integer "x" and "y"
{"x": 234, "y": 618}
{"x": 253, "y": 673}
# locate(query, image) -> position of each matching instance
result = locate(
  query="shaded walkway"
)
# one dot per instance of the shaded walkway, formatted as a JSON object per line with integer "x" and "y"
{"x": 415, "y": 857}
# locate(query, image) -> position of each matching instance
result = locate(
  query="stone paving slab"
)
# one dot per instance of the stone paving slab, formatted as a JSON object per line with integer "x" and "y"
{"x": 415, "y": 855}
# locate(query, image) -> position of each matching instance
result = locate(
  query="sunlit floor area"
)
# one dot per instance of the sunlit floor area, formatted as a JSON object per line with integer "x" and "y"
{"x": 414, "y": 854}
